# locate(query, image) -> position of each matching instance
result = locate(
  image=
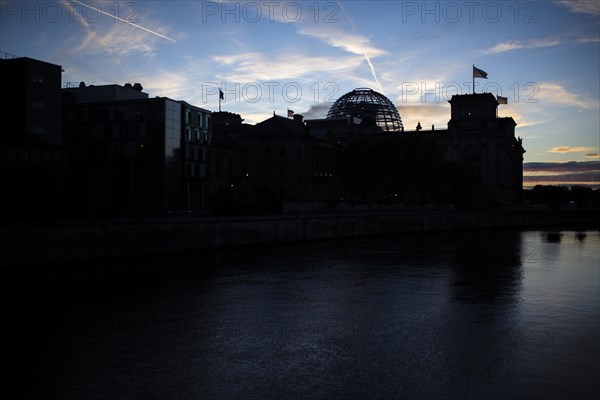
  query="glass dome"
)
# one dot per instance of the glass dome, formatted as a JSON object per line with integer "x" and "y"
{"x": 368, "y": 105}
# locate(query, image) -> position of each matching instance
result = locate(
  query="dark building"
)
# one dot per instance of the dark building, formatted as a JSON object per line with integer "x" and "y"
{"x": 134, "y": 155}
{"x": 358, "y": 113}
{"x": 475, "y": 136}
{"x": 369, "y": 108}
{"x": 279, "y": 160}
{"x": 32, "y": 159}
{"x": 478, "y": 137}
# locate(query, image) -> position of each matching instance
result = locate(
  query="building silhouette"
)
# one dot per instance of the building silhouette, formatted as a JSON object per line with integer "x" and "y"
{"x": 367, "y": 107}
{"x": 112, "y": 150}
{"x": 32, "y": 157}
{"x": 280, "y": 161}
{"x": 359, "y": 113}
{"x": 475, "y": 136}
{"x": 134, "y": 155}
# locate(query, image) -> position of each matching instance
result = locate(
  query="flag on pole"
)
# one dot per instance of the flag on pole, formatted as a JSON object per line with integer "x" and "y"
{"x": 290, "y": 113}
{"x": 502, "y": 100}
{"x": 221, "y": 95}
{"x": 479, "y": 73}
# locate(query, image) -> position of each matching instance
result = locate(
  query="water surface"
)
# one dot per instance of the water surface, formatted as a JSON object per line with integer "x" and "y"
{"x": 470, "y": 315}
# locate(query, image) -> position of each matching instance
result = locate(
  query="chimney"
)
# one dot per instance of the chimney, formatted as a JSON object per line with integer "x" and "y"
{"x": 298, "y": 118}
{"x": 138, "y": 86}
{"x": 82, "y": 84}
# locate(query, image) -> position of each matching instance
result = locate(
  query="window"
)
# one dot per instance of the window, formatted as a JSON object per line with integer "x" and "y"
{"x": 218, "y": 167}
{"x": 140, "y": 111}
{"x": 108, "y": 132}
{"x": 196, "y": 134}
{"x": 188, "y": 134}
{"x": 120, "y": 114}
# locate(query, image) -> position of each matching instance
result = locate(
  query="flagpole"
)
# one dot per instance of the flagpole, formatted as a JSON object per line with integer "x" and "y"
{"x": 219, "y": 99}
{"x": 473, "y": 73}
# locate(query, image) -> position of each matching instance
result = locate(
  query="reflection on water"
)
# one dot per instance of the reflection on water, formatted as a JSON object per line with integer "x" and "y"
{"x": 467, "y": 315}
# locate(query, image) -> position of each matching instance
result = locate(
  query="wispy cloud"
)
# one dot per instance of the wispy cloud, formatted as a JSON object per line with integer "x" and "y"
{"x": 563, "y": 173}
{"x": 254, "y": 66}
{"x": 511, "y": 45}
{"x": 168, "y": 83}
{"x": 99, "y": 10}
{"x": 593, "y": 39}
{"x": 567, "y": 149}
{"x": 350, "y": 42}
{"x": 555, "y": 93}
{"x": 114, "y": 35}
{"x": 591, "y": 7}
{"x": 367, "y": 55}
{"x": 427, "y": 114}
{"x": 522, "y": 44}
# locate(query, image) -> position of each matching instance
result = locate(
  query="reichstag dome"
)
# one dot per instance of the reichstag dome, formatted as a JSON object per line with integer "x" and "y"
{"x": 368, "y": 105}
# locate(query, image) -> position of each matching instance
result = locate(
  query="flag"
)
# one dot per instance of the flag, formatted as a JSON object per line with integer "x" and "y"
{"x": 502, "y": 100}
{"x": 290, "y": 113}
{"x": 479, "y": 73}
{"x": 221, "y": 95}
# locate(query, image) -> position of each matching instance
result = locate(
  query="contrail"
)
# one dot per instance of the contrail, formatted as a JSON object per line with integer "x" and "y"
{"x": 373, "y": 71}
{"x": 124, "y": 20}
{"x": 339, "y": 3}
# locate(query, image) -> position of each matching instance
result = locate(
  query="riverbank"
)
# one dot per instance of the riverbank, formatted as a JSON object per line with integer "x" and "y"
{"x": 59, "y": 242}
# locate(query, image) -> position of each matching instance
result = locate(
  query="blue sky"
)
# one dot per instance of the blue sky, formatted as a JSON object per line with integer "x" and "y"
{"x": 278, "y": 55}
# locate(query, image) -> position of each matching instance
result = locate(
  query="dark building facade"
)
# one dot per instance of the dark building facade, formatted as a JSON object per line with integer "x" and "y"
{"x": 134, "y": 155}
{"x": 32, "y": 158}
{"x": 475, "y": 137}
{"x": 111, "y": 150}
{"x": 279, "y": 160}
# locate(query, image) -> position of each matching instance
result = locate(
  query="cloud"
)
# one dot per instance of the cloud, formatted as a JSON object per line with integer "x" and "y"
{"x": 427, "y": 114}
{"x": 567, "y": 173}
{"x": 116, "y": 36}
{"x": 252, "y": 67}
{"x": 99, "y": 10}
{"x": 591, "y": 7}
{"x": 350, "y": 42}
{"x": 511, "y": 45}
{"x": 562, "y": 167}
{"x": 168, "y": 84}
{"x": 566, "y": 149}
{"x": 592, "y": 155}
{"x": 525, "y": 44}
{"x": 594, "y": 39}
{"x": 555, "y": 93}
{"x": 317, "y": 111}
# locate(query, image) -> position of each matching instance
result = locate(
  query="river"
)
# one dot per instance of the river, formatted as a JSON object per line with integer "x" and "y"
{"x": 456, "y": 315}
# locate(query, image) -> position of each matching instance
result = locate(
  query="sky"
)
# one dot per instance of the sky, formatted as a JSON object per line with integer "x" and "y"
{"x": 274, "y": 56}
